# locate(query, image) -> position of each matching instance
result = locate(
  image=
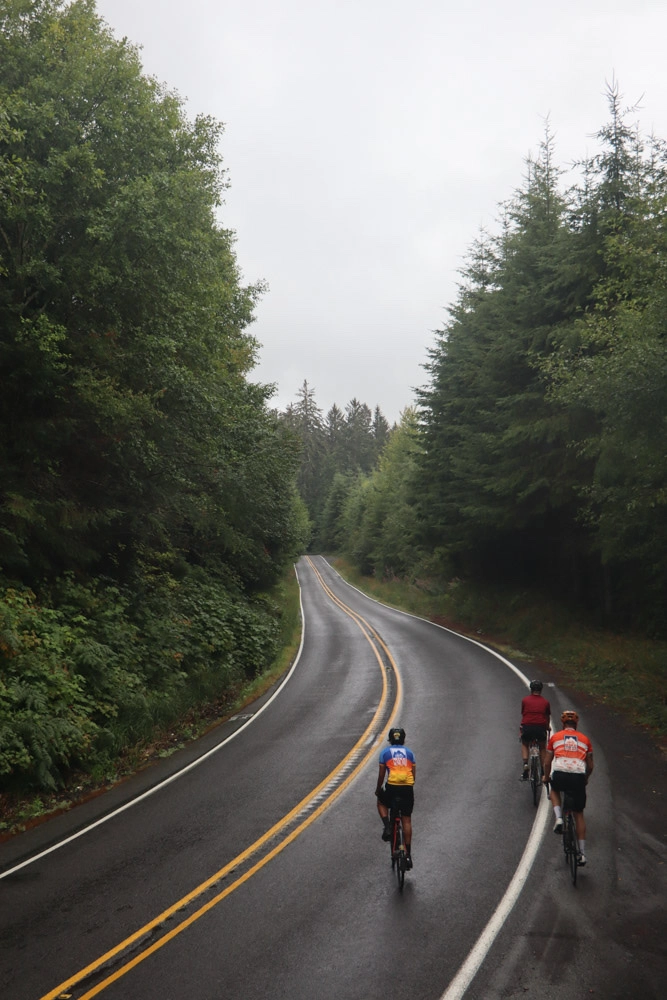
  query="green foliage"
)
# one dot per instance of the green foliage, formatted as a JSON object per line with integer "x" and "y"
{"x": 616, "y": 367}
{"x": 80, "y": 684}
{"x": 144, "y": 483}
{"x": 127, "y": 420}
{"x": 356, "y": 526}
{"x": 153, "y": 726}
{"x": 332, "y": 529}
{"x": 543, "y": 424}
{"x": 538, "y": 458}
{"x": 496, "y": 468}
{"x": 45, "y": 711}
{"x": 333, "y": 450}
{"x": 372, "y": 518}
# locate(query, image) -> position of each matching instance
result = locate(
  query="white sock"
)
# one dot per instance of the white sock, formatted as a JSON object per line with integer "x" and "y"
{"x": 558, "y": 812}
{"x": 582, "y": 846}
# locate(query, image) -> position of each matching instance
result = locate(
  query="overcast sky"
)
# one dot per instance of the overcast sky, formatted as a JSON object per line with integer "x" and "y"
{"x": 366, "y": 143}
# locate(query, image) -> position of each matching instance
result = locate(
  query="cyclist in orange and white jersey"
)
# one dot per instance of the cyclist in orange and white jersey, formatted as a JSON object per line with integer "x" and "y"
{"x": 568, "y": 767}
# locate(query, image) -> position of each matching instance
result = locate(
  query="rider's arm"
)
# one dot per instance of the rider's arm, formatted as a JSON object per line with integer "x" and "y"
{"x": 549, "y": 756}
{"x": 590, "y": 764}
{"x": 381, "y": 774}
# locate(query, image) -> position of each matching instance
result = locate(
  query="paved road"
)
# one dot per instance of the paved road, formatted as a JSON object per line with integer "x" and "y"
{"x": 236, "y": 881}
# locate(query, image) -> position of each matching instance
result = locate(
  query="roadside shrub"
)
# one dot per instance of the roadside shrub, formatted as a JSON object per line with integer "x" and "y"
{"x": 83, "y": 681}
{"x": 45, "y": 710}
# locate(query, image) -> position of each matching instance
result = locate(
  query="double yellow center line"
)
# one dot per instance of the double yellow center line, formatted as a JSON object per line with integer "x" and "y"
{"x": 340, "y": 778}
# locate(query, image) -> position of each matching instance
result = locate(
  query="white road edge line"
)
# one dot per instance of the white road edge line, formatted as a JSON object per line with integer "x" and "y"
{"x": 482, "y": 946}
{"x": 177, "y": 774}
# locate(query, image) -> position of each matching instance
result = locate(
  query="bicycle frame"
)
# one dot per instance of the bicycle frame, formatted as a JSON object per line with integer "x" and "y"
{"x": 398, "y": 852}
{"x": 570, "y": 842}
{"x": 535, "y": 769}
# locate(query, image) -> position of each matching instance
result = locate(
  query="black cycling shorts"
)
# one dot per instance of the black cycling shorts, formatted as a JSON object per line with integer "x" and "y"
{"x": 573, "y": 784}
{"x": 398, "y": 796}
{"x": 530, "y": 733}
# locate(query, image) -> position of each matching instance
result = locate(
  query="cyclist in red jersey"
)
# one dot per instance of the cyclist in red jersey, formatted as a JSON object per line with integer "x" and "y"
{"x": 569, "y": 766}
{"x": 535, "y": 722}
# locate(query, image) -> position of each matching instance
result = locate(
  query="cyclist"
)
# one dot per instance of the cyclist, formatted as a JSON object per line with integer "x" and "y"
{"x": 397, "y": 764}
{"x": 535, "y": 721}
{"x": 569, "y": 766}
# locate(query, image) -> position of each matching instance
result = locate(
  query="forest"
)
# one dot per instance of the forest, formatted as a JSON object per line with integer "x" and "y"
{"x": 152, "y": 500}
{"x": 148, "y": 504}
{"x": 535, "y": 455}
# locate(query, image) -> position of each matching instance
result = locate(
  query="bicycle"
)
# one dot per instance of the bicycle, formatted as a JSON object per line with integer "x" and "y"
{"x": 570, "y": 842}
{"x": 399, "y": 857}
{"x": 535, "y": 769}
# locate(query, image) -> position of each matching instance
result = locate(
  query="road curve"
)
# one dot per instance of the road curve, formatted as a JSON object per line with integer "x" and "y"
{"x": 261, "y": 873}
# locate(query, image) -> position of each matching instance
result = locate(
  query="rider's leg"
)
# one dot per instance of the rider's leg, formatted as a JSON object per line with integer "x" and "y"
{"x": 384, "y": 816}
{"x": 580, "y": 825}
{"x": 554, "y": 798}
{"x": 407, "y": 832}
{"x": 543, "y": 752}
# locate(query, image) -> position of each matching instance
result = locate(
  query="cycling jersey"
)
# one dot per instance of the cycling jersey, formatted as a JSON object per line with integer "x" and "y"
{"x": 399, "y": 761}
{"x": 570, "y": 749}
{"x": 535, "y": 710}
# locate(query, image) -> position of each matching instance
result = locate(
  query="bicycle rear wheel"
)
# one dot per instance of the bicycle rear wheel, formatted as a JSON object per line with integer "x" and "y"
{"x": 535, "y": 778}
{"x": 400, "y": 870}
{"x": 571, "y": 846}
{"x": 398, "y": 858}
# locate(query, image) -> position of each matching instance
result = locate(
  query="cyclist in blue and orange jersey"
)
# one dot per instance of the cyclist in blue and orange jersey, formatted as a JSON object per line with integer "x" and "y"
{"x": 535, "y": 722}
{"x": 397, "y": 764}
{"x": 569, "y": 766}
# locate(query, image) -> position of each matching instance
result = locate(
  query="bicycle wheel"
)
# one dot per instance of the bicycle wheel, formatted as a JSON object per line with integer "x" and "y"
{"x": 535, "y": 778}
{"x": 393, "y": 843}
{"x": 400, "y": 856}
{"x": 400, "y": 869}
{"x": 571, "y": 849}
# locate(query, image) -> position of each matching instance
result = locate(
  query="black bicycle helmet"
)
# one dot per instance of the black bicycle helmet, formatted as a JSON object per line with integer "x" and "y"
{"x": 396, "y": 735}
{"x": 536, "y": 686}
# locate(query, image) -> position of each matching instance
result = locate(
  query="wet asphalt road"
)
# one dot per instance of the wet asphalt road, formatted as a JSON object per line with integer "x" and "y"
{"x": 322, "y": 918}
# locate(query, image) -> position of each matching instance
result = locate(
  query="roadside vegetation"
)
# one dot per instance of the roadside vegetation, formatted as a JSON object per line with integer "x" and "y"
{"x": 536, "y": 455}
{"x": 24, "y": 807}
{"x": 148, "y": 503}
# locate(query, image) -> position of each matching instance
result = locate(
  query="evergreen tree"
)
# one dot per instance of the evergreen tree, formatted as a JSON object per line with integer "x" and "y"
{"x": 344, "y": 443}
{"x": 496, "y": 475}
{"x": 359, "y": 450}
{"x": 615, "y": 366}
{"x": 331, "y": 536}
{"x": 380, "y": 429}
{"x": 304, "y": 417}
{"x": 390, "y": 517}
{"x": 334, "y": 424}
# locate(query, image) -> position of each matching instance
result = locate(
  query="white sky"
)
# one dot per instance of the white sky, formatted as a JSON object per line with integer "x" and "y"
{"x": 367, "y": 141}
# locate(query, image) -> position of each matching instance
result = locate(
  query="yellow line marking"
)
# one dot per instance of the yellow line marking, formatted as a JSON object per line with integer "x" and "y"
{"x": 93, "y": 966}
